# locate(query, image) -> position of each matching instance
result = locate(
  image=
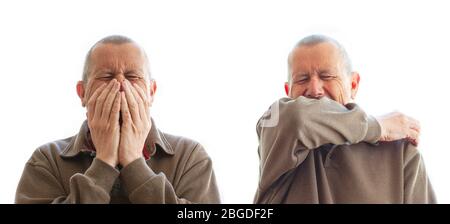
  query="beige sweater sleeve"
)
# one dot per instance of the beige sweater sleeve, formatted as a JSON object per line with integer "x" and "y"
{"x": 417, "y": 186}
{"x": 39, "y": 184}
{"x": 305, "y": 124}
{"x": 197, "y": 185}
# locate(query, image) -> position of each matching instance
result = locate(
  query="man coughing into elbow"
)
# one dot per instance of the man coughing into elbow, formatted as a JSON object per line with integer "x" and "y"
{"x": 318, "y": 146}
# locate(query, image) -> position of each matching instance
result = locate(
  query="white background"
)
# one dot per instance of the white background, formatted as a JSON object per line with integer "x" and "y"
{"x": 219, "y": 65}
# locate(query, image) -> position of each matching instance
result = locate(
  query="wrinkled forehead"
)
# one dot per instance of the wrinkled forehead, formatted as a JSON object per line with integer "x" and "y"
{"x": 117, "y": 56}
{"x": 318, "y": 56}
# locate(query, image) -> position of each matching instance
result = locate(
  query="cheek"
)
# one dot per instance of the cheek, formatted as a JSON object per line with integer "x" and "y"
{"x": 91, "y": 87}
{"x": 297, "y": 90}
{"x": 337, "y": 91}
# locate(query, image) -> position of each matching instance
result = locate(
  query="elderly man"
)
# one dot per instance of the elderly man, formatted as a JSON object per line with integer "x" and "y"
{"x": 318, "y": 146}
{"x": 119, "y": 155}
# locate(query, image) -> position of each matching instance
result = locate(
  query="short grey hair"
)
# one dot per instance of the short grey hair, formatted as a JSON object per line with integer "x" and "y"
{"x": 317, "y": 39}
{"x": 118, "y": 40}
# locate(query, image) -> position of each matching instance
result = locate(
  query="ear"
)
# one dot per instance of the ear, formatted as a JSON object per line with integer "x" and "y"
{"x": 354, "y": 84}
{"x": 286, "y": 88}
{"x": 153, "y": 88}
{"x": 81, "y": 92}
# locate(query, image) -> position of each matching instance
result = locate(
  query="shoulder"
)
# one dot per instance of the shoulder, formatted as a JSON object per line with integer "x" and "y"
{"x": 411, "y": 154}
{"x": 408, "y": 150}
{"x": 402, "y": 147}
{"x": 183, "y": 146}
{"x": 49, "y": 152}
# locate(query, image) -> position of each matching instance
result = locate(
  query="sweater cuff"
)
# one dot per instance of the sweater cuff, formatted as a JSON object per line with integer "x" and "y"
{"x": 102, "y": 174}
{"x": 373, "y": 134}
{"x": 135, "y": 174}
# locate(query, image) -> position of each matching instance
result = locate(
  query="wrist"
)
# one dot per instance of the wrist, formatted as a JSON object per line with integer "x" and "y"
{"x": 374, "y": 130}
{"x": 129, "y": 159}
{"x": 110, "y": 161}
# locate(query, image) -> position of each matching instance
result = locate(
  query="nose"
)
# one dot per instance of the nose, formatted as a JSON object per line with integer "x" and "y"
{"x": 315, "y": 88}
{"x": 120, "y": 78}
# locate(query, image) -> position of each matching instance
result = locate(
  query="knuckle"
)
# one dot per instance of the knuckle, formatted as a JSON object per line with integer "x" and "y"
{"x": 403, "y": 119}
{"x": 94, "y": 125}
{"x": 133, "y": 105}
{"x": 101, "y": 98}
{"x": 130, "y": 104}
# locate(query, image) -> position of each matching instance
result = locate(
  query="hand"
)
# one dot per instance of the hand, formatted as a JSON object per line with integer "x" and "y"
{"x": 396, "y": 126}
{"x": 136, "y": 122}
{"x": 103, "y": 121}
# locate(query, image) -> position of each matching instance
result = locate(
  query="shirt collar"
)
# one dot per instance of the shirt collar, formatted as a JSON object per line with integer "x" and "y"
{"x": 81, "y": 142}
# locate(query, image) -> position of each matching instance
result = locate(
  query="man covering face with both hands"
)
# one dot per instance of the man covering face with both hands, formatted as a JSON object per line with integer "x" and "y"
{"x": 118, "y": 156}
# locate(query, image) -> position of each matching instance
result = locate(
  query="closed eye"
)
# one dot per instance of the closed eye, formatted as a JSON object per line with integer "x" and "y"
{"x": 105, "y": 76}
{"x": 327, "y": 76}
{"x": 301, "y": 79}
{"x": 133, "y": 76}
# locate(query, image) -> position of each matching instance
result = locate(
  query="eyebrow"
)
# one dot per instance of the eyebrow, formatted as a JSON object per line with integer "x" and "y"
{"x": 136, "y": 71}
{"x": 325, "y": 71}
{"x": 103, "y": 70}
{"x": 300, "y": 74}
{"x": 331, "y": 72}
{"x": 110, "y": 71}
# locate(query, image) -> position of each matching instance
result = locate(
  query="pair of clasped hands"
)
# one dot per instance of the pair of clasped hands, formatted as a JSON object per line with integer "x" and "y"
{"x": 119, "y": 121}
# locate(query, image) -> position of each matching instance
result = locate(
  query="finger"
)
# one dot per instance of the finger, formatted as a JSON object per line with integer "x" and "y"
{"x": 141, "y": 103}
{"x": 115, "y": 111}
{"x": 142, "y": 94}
{"x": 89, "y": 88}
{"x": 414, "y": 124}
{"x": 131, "y": 101}
{"x": 413, "y": 136}
{"x": 146, "y": 100}
{"x": 135, "y": 93}
{"x": 92, "y": 100}
{"x": 101, "y": 100}
{"x": 107, "y": 105}
{"x": 414, "y": 142}
{"x": 126, "y": 115}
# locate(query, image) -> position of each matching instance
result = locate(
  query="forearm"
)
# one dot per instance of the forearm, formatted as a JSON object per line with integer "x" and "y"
{"x": 309, "y": 123}
{"x": 94, "y": 186}
{"x": 306, "y": 124}
{"x": 143, "y": 185}
{"x": 318, "y": 122}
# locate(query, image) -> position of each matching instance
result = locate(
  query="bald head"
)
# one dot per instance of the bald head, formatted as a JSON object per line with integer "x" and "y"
{"x": 114, "y": 40}
{"x": 316, "y": 39}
